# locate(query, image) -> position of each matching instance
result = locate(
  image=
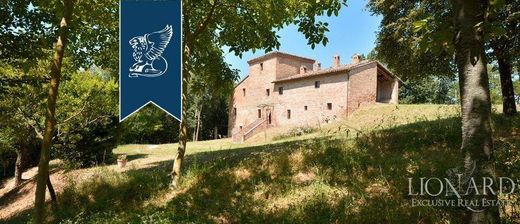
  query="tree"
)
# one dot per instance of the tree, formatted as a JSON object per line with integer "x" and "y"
{"x": 27, "y": 49}
{"x": 504, "y": 43}
{"x": 242, "y": 25}
{"x": 404, "y": 20}
{"x": 22, "y": 47}
{"x": 440, "y": 29}
{"x": 55, "y": 75}
{"x": 150, "y": 125}
{"x": 86, "y": 130}
{"x": 28, "y": 33}
{"x": 470, "y": 57}
{"x": 215, "y": 80}
{"x": 430, "y": 89}
{"x": 18, "y": 135}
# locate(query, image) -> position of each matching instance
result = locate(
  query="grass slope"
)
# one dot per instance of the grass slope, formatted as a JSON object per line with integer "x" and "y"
{"x": 354, "y": 171}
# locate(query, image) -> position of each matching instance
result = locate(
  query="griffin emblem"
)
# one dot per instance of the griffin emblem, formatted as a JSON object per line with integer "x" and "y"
{"x": 148, "y": 50}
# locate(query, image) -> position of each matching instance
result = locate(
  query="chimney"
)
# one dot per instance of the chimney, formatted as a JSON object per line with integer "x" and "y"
{"x": 336, "y": 63}
{"x": 356, "y": 58}
{"x": 303, "y": 69}
{"x": 316, "y": 66}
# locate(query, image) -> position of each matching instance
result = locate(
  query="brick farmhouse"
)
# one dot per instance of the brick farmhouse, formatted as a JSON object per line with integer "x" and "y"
{"x": 289, "y": 91}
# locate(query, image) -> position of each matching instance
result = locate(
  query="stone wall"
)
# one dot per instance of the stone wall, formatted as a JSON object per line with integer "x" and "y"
{"x": 308, "y": 104}
{"x": 340, "y": 93}
{"x": 362, "y": 88}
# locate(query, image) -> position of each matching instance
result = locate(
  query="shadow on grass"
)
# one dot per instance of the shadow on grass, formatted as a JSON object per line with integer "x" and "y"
{"x": 322, "y": 180}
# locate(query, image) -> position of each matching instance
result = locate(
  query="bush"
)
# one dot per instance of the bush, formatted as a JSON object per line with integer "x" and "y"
{"x": 297, "y": 131}
{"x": 87, "y": 119}
{"x": 90, "y": 146}
{"x": 150, "y": 125}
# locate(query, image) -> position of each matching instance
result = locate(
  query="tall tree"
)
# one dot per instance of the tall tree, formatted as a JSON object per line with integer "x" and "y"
{"x": 215, "y": 80}
{"x": 504, "y": 43}
{"x": 22, "y": 47}
{"x": 404, "y": 20}
{"x": 28, "y": 39}
{"x": 242, "y": 25}
{"x": 18, "y": 133}
{"x": 55, "y": 75}
{"x": 470, "y": 56}
{"x": 440, "y": 29}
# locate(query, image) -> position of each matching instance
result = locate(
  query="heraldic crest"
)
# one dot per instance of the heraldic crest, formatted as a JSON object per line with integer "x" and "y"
{"x": 148, "y": 50}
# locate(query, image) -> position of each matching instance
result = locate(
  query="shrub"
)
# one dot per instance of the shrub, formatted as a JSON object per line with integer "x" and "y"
{"x": 90, "y": 146}
{"x": 297, "y": 131}
{"x": 87, "y": 119}
{"x": 150, "y": 125}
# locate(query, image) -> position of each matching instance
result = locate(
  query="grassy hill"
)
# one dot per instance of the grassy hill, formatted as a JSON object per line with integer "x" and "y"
{"x": 353, "y": 171}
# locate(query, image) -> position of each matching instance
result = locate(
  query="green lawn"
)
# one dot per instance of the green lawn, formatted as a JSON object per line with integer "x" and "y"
{"x": 354, "y": 171}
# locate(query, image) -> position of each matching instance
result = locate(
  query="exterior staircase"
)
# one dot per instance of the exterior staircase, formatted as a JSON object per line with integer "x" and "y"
{"x": 248, "y": 131}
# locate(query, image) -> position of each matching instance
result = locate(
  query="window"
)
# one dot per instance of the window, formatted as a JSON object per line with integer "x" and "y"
{"x": 261, "y": 66}
{"x": 244, "y": 91}
{"x": 235, "y": 111}
{"x": 259, "y": 113}
{"x": 329, "y": 106}
{"x": 288, "y": 114}
{"x": 317, "y": 84}
{"x": 280, "y": 90}
{"x": 240, "y": 127}
{"x": 267, "y": 92}
{"x": 305, "y": 107}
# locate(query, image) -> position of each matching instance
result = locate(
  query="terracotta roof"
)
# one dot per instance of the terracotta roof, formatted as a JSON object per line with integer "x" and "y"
{"x": 278, "y": 53}
{"x": 341, "y": 68}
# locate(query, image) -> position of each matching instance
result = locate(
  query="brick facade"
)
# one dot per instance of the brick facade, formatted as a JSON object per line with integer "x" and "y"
{"x": 288, "y": 90}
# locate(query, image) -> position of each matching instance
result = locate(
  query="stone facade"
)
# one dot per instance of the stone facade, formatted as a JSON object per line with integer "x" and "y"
{"x": 288, "y": 90}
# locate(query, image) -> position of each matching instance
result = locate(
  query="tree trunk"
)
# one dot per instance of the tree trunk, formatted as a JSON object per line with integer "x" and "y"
{"x": 197, "y": 131}
{"x": 506, "y": 83}
{"x": 52, "y": 193}
{"x": 470, "y": 57}
{"x": 193, "y": 137}
{"x": 215, "y": 132}
{"x": 50, "y": 122}
{"x": 18, "y": 167}
{"x": 183, "y": 130}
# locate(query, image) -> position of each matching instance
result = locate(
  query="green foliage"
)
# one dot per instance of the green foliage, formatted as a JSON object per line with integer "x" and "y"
{"x": 297, "y": 131}
{"x": 29, "y": 31}
{"x": 416, "y": 37}
{"x": 339, "y": 178}
{"x": 436, "y": 90}
{"x": 94, "y": 29}
{"x": 87, "y": 111}
{"x": 20, "y": 102}
{"x": 150, "y": 125}
{"x": 251, "y": 25}
{"x": 241, "y": 26}
{"x": 414, "y": 40}
{"x": 7, "y": 151}
{"x": 495, "y": 86}
{"x": 209, "y": 91}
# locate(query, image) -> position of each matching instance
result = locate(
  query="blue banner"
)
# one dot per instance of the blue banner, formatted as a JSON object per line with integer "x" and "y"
{"x": 150, "y": 65}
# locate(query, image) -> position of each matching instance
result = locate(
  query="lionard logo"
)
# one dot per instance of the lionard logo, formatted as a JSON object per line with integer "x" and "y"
{"x": 148, "y": 50}
{"x": 458, "y": 185}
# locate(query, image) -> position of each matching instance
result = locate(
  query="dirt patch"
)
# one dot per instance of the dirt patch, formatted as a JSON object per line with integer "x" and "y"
{"x": 13, "y": 201}
{"x": 242, "y": 174}
{"x": 20, "y": 199}
{"x": 303, "y": 177}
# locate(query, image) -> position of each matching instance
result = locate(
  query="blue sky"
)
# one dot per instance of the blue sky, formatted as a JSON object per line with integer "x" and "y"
{"x": 353, "y": 31}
